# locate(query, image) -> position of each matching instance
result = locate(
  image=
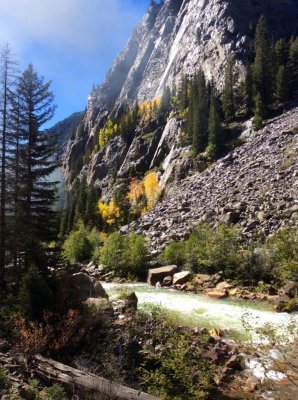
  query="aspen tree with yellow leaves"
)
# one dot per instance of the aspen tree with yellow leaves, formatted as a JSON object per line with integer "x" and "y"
{"x": 136, "y": 196}
{"x": 143, "y": 195}
{"x": 152, "y": 191}
{"x": 109, "y": 131}
{"x": 110, "y": 212}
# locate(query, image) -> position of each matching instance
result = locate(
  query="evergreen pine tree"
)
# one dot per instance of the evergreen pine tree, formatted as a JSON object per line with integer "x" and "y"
{"x": 262, "y": 70}
{"x": 214, "y": 128}
{"x": 293, "y": 65}
{"x": 228, "y": 96}
{"x": 282, "y": 84}
{"x": 165, "y": 102}
{"x": 259, "y": 113}
{"x": 91, "y": 215}
{"x": 183, "y": 93}
{"x": 38, "y": 193}
{"x": 281, "y": 51}
{"x": 198, "y": 111}
{"x": 6, "y": 83}
{"x": 249, "y": 102}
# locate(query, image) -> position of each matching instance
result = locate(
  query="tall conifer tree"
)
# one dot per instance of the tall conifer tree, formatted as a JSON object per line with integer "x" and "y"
{"x": 7, "y": 70}
{"x": 214, "y": 128}
{"x": 198, "y": 111}
{"x": 228, "y": 96}
{"x": 262, "y": 69}
{"x": 38, "y": 193}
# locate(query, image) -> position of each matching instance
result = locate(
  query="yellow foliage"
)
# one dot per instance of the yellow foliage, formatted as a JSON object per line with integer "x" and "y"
{"x": 148, "y": 109}
{"x": 110, "y": 213}
{"x": 143, "y": 195}
{"x": 109, "y": 131}
{"x": 135, "y": 195}
{"x": 151, "y": 186}
{"x": 136, "y": 190}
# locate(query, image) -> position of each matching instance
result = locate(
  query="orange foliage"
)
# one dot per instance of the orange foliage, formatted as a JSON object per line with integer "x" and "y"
{"x": 54, "y": 333}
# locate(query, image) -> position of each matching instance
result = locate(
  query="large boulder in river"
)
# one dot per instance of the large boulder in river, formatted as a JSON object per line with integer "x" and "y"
{"x": 75, "y": 288}
{"x": 99, "y": 291}
{"x": 86, "y": 288}
{"x": 181, "y": 277}
{"x": 158, "y": 274}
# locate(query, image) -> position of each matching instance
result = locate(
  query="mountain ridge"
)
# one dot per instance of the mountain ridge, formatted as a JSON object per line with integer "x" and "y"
{"x": 174, "y": 39}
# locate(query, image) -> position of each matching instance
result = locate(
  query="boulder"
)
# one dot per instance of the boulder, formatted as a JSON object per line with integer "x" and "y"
{"x": 168, "y": 281}
{"x": 286, "y": 306}
{"x": 83, "y": 285}
{"x": 101, "y": 305}
{"x": 222, "y": 286}
{"x": 77, "y": 288}
{"x": 158, "y": 274}
{"x": 231, "y": 217}
{"x": 234, "y": 292}
{"x": 203, "y": 278}
{"x": 99, "y": 291}
{"x": 217, "y": 295}
{"x": 290, "y": 289}
{"x": 181, "y": 277}
{"x": 216, "y": 278}
{"x": 129, "y": 299}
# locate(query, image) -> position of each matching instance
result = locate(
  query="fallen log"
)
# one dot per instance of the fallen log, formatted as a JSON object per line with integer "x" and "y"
{"x": 51, "y": 370}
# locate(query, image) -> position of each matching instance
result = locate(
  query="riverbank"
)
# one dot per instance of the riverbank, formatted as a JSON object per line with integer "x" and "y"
{"x": 230, "y": 321}
{"x": 214, "y": 286}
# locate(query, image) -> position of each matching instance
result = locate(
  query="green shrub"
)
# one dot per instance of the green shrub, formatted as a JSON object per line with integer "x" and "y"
{"x": 282, "y": 254}
{"x": 55, "y": 392}
{"x": 5, "y": 383}
{"x": 174, "y": 253}
{"x": 172, "y": 367}
{"x": 124, "y": 254}
{"x": 96, "y": 239}
{"x": 35, "y": 295}
{"x": 78, "y": 247}
{"x": 211, "y": 250}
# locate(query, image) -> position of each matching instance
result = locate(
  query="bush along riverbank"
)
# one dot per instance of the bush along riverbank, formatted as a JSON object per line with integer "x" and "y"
{"x": 219, "y": 261}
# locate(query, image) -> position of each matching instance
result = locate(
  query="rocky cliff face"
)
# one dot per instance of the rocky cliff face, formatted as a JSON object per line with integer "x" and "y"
{"x": 175, "y": 38}
{"x": 255, "y": 186}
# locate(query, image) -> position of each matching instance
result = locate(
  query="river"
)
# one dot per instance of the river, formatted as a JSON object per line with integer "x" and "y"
{"x": 199, "y": 310}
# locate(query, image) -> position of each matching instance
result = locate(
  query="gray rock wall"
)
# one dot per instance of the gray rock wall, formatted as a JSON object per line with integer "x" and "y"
{"x": 172, "y": 40}
{"x": 255, "y": 186}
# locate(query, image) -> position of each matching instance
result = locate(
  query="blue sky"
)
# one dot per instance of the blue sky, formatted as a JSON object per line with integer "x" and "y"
{"x": 71, "y": 42}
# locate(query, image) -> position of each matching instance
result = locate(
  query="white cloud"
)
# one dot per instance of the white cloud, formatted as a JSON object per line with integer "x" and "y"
{"x": 81, "y": 24}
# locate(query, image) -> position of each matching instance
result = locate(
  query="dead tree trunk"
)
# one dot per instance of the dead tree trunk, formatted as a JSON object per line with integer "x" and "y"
{"x": 53, "y": 371}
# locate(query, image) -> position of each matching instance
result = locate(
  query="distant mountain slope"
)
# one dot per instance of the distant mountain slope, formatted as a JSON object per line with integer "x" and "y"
{"x": 65, "y": 129}
{"x": 255, "y": 186}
